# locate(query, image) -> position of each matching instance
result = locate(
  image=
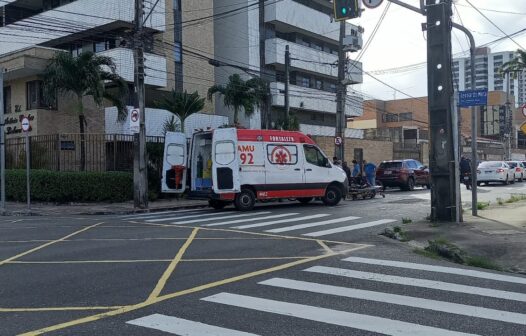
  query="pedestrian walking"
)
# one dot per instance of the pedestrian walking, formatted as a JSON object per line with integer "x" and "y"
{"x": 370, "y": 172}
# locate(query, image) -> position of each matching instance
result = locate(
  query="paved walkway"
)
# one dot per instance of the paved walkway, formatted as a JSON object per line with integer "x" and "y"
{"x": 498, "y": 233}
{"x": 50, "y": 209}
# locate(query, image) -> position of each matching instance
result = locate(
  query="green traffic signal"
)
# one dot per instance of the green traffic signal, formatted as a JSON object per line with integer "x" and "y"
{"x": 344, "y": 11}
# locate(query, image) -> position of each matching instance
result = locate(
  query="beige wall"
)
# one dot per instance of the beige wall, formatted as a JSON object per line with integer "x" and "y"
{"x": 373, "y": 151}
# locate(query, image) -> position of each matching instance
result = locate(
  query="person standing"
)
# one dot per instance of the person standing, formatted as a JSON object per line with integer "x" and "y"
{"x": 370, "y": 172}
{"x": 356, "y": 168}
{"x": 347, "y": 170}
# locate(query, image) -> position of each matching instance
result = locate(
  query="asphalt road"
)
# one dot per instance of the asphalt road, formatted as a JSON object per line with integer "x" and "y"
{"x": 283, "y": 269}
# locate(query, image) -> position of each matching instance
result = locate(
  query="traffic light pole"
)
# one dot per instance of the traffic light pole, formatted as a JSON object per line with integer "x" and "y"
{"x": 339, "y": 150}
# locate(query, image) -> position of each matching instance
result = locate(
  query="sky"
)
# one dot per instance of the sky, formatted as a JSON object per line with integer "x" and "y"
{"x": 400, "y": 42}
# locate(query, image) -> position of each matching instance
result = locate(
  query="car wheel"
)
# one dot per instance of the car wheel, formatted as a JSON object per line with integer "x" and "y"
{"x": 245, "y": 200}
{"x": 333, "y": 196}
{"x": 305, "y": 200}
{"x": 410, "y": 186}
{"x": 217, "y": 205}
{"x": 513, "y": 179}
{"x": 521, "y": 179}
{"x": 507, "y": 182}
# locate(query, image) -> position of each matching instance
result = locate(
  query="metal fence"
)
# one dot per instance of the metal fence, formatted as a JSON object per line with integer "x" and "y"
{"x": 62, "y": 152}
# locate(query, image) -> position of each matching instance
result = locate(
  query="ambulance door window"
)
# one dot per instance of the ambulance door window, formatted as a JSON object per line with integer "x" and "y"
{"x": 314, "y": 156}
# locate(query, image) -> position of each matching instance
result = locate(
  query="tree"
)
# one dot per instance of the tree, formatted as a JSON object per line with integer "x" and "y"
{"x": 181, "y": 104}
{"x": 85, "y": 75}
{"x": 239, "y": 94}
{"x": 517, "y": 64}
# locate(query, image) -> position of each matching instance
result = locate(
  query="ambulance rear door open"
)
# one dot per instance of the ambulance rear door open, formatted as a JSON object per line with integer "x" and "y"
{"x": 225, "y": 174}
{"x": 174, "y": 163}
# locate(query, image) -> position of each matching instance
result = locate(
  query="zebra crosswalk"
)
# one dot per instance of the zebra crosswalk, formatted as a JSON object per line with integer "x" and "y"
{"x": 379, "y": 302}
{"x": 269, "y": 221}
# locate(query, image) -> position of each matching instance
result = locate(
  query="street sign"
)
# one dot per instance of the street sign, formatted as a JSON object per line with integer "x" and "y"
{"x": 524, "y": 110}
{"x": 338, "y": 141}
{"x": 523, "y": 128}
{"x": 372, "y": 3}
{"x": 25, "y": 125}
{"x": 135, "y": 124}
{"x": 473, "y": 98}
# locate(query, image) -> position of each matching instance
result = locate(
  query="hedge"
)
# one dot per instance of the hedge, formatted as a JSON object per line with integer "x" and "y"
{"x": 63, "y": 187}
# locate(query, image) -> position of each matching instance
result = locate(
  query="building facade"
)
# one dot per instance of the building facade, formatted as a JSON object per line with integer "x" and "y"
{"x": 488, "y": 74}
{"x": 254, "y": 35}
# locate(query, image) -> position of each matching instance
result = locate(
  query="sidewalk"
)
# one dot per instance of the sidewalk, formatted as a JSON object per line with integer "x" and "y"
{"x": 498, "y": 234}
{"x": 50, "y": 209}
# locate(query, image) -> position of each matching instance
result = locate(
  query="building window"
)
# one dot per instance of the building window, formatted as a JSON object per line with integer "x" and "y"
{"x": 304, "y": 81}
{"x": 406, "y": 116}
{"x": 7, "y": 99}
{"x": 178, "y": 53}
{"x": 35, "y": 96}
{"x": 332, "y": 88}
{"x": 318, "y": 84}
{"x": 389, "y": 117}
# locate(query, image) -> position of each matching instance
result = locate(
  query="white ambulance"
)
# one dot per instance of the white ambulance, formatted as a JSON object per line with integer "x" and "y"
{"x": 240, "y": 166}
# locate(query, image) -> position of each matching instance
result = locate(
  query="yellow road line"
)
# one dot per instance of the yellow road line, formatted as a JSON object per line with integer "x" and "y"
{"x": 325, "y": 247}
{"x": 151, "y": 260}
{"x": 46, "y": 309}
{"x": 5, "y": 261}
{"x": 165, "y": 297}
{"x": 134, "y": 239}
{"x": 169, "y": 270}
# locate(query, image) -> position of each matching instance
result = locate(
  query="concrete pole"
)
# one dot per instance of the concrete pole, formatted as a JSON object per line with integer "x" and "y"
{"x": 140, "y": 171}
{"x": 287, "y": 93}
{"x": 2, "y": 145}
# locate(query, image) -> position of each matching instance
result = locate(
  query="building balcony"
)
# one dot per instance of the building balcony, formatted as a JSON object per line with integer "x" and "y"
{"x": 311, "y": 60}
{"x": 155, "y": 66}
{"x": 290, "y": 14}
{"x": 73, "y": 18}
{"x": 302, "y": 98}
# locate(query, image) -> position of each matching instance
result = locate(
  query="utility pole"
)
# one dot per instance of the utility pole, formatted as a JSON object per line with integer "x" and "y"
{"x": 509, "y": 117}
{"x": 287, "y": 93}
{"x": 339, "y": 150}
{"x": 443, "y": 164}
{"x": 2, "y": 145}
{"x": 140, "y": 171}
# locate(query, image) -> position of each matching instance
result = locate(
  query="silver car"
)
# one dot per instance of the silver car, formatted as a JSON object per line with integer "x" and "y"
{"x": 518, "y": 168}
{"x": 495, "y": 171}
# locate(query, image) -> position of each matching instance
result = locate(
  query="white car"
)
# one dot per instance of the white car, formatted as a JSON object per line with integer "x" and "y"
{"x": 520, "y": 170}
{"x": 495, "y": 171}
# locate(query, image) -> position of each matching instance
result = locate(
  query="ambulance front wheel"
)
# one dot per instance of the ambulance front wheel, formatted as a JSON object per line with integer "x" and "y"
{"x": 245, "y": 200}
{"x": 333, "y": 196}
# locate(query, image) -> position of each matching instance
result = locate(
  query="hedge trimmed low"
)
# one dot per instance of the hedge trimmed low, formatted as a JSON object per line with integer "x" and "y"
{"x": 63, "y": 187}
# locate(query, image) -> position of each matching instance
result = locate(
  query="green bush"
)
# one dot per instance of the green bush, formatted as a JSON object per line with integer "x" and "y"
{"x": 63, "y": 187}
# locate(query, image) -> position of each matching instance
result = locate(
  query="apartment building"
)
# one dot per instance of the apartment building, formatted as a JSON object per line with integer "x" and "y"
{"x": 33, "y": 31}
{"x": 254, "y": 35}
{"x": 487, "y": 74}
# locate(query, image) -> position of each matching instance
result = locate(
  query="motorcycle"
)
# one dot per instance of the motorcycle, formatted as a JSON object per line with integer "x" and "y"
{"x": 466, "y": 179}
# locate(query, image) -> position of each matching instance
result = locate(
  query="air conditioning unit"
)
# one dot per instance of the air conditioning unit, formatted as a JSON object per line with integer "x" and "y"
{"x": 352, "y": 43}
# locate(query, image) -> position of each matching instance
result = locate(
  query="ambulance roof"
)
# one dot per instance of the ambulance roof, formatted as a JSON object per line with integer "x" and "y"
{"x": 273, "y": 136}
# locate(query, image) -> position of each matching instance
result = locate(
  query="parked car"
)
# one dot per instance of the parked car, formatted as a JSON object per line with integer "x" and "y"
{"x": 405, "y": 174}
{"x": 519, "y": 169}
{"x": 495, "y": 171}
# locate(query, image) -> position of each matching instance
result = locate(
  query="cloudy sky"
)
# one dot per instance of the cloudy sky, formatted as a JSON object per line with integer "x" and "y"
{"x": 400, "y": 41}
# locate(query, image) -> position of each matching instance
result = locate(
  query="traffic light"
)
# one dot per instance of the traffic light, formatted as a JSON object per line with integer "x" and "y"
{"x": 346, "y": 9}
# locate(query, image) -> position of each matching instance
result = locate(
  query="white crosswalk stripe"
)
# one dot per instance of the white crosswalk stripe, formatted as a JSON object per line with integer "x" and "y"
{"x": 196, "y": 215}
{"x": 440, "y": 269}
{"x": 222, "y": 217}
{"x": 252, "y": 219}
{"x": 297, "y": 219}
{"x": 349, "y": 228}
{"x": 331, "y": 316}
{"x": 442, "y": 306}
{"x": 156, "y": 214}
{"x": 308, "y": 225}
{"x": 184, "y": 327}
{"x": 430, "y": 284}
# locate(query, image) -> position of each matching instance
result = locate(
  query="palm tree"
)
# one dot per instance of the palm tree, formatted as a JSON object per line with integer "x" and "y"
{"x": 181, "y": 104}
{"x": 517, "y": 64}
{"x": 239, "y": 94}
{"x": 85, "y": 75}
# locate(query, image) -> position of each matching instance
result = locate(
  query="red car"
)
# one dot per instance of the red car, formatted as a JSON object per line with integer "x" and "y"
{"x": 405, "y": 174}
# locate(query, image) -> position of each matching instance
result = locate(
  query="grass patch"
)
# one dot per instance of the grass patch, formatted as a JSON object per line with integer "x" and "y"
{"x": 426, "y": 253}
{"x": 407, "y": 220}
{"x": 482, "y": 262}
{"x": 516, "y": 198}
{"x": 500, "y": 201}
{"x": 482, "y": 205}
